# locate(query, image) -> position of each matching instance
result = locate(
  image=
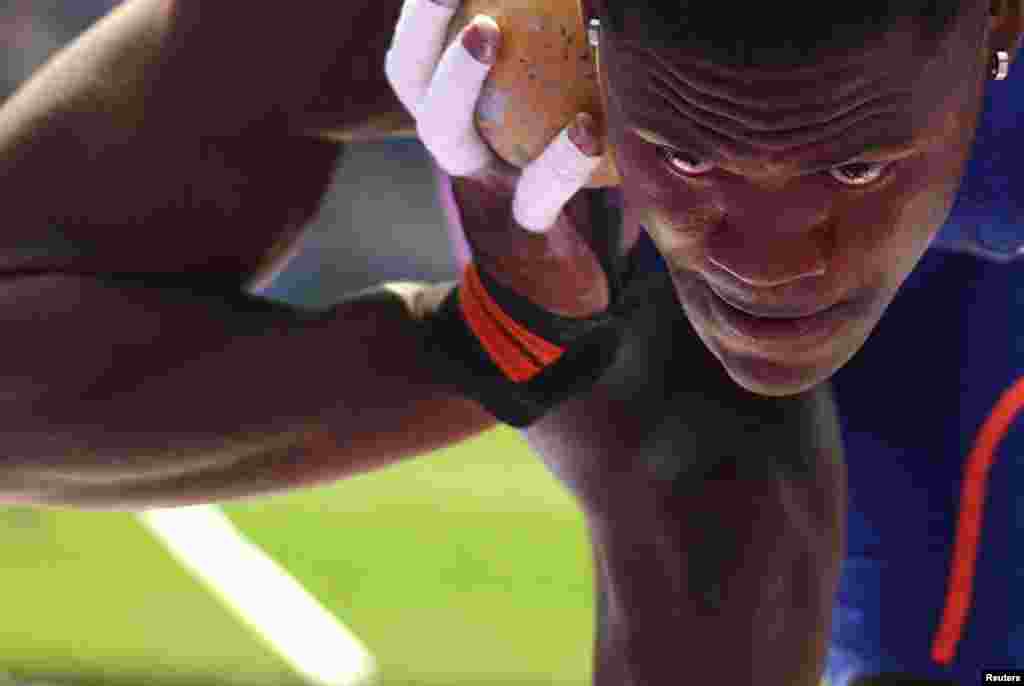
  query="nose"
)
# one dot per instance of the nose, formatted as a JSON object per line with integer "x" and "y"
{"x": 766, "y": 261}
{"x": 770, "y": 239}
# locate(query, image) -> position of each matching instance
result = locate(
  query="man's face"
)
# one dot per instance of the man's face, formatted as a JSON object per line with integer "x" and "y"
{"x": 793, "y": 189}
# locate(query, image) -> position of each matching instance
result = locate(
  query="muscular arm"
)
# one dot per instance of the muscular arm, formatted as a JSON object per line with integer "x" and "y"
{"x": 172, "y": 135}
{"x": 222, "y": 67}
{"x": 148, "y": 171}
{"x": 141, "y": 392}
{"x": 716, "y": 515}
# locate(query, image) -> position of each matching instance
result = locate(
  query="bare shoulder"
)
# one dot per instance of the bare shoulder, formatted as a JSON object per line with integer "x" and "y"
{"x": 668, "y": 404}
{"x": 707, "y": 504}
{"x": 693, "y": 404}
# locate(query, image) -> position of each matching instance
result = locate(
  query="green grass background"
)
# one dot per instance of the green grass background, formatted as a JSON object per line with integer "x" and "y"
{"x": 467, "y": 565}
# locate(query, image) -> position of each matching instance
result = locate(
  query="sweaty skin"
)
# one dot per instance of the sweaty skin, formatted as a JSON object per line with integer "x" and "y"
{"x": 715, "y": 515}
{"x": 767, "y": 223}
{"x": 717, "y": 511}
{"x": 148, "y": 163}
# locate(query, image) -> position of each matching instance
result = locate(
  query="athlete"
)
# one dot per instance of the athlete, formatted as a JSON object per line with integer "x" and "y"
{"x": 705, "y": 454}
{"x": 916, "y": 603}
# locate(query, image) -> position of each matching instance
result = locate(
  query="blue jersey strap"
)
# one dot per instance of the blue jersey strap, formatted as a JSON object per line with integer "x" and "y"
{"x": 987, "y": 219}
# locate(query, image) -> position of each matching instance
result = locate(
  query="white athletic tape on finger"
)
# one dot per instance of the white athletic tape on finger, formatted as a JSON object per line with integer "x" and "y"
{"x": 446, "y": 123}
{"x": 415, "y": 48}
{"x": 549, "y": 182}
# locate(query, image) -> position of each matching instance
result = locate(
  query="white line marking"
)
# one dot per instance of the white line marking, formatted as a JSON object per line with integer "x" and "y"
{"x": 264, "y": 595}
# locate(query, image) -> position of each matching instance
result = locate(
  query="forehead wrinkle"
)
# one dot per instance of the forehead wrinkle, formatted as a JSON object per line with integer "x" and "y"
{"x": 731, "y": 127}
{"x": 828, "y": 66}
{"x": 728, "y": 134}
{"x": 785, "y": 92}
{"x": 926, "y": 74}
{"x": 809, "y": 116}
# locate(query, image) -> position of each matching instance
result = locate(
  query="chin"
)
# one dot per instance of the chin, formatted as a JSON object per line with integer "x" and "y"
{"x": 774, "y": 379}
{"x": 771, "y": 376}
{"x": 782, "y": 378}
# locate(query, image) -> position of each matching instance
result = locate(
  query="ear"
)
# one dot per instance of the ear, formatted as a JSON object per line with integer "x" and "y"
{"x": 592, "y": 9}
{"x": 1006, "y": 26}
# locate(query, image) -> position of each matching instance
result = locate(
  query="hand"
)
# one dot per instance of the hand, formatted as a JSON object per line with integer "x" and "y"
{"x": 522, "y": 225}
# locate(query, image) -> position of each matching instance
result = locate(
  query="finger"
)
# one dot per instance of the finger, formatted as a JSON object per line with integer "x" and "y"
{"x": 415, "y": 48}
{"x": 446, "y": 123}
{"x": 551, "y": 180}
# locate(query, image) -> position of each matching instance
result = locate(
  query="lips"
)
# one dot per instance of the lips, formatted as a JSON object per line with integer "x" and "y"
{"x": 772, "y": 311}
{"x": 790, "y": 326}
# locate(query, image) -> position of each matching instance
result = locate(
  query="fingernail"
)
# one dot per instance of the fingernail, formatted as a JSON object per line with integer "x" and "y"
{"x": 583, "y": 136}
{"x": 481, "y": 39}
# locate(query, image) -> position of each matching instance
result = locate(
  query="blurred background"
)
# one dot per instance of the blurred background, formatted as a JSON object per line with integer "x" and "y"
{"x": 470, "y": 565}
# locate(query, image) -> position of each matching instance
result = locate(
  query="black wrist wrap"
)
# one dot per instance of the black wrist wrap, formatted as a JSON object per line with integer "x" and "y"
{"x": 589, "y": 345}
{"x": 590, "y": 348}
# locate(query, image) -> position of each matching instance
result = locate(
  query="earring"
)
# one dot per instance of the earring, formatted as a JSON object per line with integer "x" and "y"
{"x": 594, "y": 32}
{"x": 1000, "y": 65}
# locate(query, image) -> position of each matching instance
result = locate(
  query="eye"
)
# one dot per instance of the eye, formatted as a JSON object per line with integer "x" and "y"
{"x": 859, "y": 173}
{"x": 683, "y": 163}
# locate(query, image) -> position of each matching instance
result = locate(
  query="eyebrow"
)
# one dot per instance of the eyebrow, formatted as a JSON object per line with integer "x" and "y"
{"x": 890, "y": 145}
